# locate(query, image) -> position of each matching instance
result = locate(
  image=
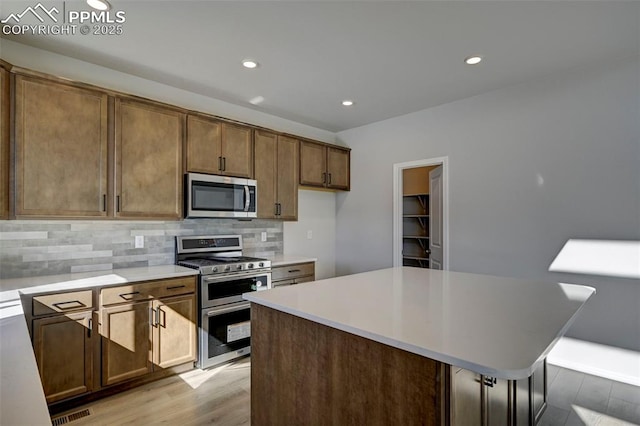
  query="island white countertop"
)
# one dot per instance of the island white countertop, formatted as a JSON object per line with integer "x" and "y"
{"x": 22, "y": 400}
{"x": 496, "y": 326}
{"x": 283, "y": 260}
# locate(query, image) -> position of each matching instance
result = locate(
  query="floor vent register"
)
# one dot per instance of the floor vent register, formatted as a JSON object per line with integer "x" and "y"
{"x": 63, "y": 420}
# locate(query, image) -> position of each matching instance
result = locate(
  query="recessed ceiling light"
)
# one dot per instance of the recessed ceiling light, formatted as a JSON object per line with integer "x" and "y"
{"x": 249, "y": 63}
{"x": 99, "y": 4}
{"x": 473, "y": 60}
{"x": 257, "y": 100}
{"x": 347, "y": 102}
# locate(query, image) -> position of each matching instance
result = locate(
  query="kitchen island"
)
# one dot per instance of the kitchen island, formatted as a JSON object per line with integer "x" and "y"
{"x": 386, "y": 347}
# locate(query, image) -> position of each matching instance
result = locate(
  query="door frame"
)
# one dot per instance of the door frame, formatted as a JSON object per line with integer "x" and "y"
{"x": 397, "y": 206}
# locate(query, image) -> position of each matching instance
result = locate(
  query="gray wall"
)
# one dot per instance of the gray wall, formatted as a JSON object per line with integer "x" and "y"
{"x": 31, "y": 248}
{"x": 530, "y": 167}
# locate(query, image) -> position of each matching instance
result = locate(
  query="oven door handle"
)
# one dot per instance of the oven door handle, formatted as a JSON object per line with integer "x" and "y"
{"x": 247, "y": 198}
{"x": 219, "y": 311}
{"x": 249, "y": 273}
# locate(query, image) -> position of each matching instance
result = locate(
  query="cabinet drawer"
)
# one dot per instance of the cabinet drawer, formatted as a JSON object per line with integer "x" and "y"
{"x": 147, "y": 290}
{"x": 62, "y": 302}
{"x": 275, "y": 284}
{"x": 292, "y": 271}
{"x": 305, "y": 279}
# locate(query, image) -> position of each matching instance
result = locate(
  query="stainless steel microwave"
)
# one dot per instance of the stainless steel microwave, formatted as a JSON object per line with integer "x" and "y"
{"x": 219, "y": 196}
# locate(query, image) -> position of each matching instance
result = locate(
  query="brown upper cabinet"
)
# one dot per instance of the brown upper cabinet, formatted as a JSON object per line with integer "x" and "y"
{"x": 276, "y": 171}
{"x": 80, "y": 151}
{"x": 324, "y": 166}
{"x": 62, "y": 135}
{"x": 4, "y": 141}
{"x": 61, "y": 149}
{"x": 217, "y": 147}
{"x": 148, "y": 156}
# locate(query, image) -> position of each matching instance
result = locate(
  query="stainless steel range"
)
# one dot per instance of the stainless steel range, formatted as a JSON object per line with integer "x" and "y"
{"x": 225, "y": 274}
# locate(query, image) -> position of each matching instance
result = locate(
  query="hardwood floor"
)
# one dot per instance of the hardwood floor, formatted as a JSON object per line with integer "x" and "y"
{"x": 221, "y": 396}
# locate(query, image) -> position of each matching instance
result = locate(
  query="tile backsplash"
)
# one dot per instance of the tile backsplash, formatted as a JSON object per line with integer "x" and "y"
{"x": 37, "y": 247}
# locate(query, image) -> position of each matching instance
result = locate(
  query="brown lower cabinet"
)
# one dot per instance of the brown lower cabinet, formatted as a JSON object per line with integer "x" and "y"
{"x": 63, "y": 345}
{"x": 295, "y": 273}
{"x": 125, "y": 332}
{"x": 143, "y": 337}
{"x": 144, "y": 328}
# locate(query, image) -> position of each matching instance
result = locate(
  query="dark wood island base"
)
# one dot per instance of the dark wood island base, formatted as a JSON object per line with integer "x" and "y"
{"x": 305, "y": 373}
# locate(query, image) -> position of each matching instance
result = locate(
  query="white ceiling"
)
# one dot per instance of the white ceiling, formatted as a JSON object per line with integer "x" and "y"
{"x": 391, "y": 58}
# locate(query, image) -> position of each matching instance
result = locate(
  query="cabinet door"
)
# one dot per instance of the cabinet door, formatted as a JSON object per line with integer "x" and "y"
{"x": 61, "y": 149}
{"x": 4, "y": 144}
{"x": 175, "y": 331}
{"x": 466, "y": 397}
{"x": 63, "y": 349}
{"x": 287, "y": 178}
{"x": 204, "y": 138}
{"x": 266, "y": 154}
{"x": 313, "y": 164}
{"x": 337, "y": 168}
{"x": 148, "y": 160}
{"x": 237, "y": 150}
{"x": 126, "y": 342}
{"x": 539, "y": 379}
{"x": 498, "y": 408}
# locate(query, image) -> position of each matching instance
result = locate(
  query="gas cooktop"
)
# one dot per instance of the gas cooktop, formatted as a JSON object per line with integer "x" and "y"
{"x": 216, "y": 255}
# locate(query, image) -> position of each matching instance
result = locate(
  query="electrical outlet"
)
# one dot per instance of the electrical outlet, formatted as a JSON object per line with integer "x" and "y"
{"x": 263, "y": 237}
{"x": 309, "y": 234}
{"x": 139, "y": 241}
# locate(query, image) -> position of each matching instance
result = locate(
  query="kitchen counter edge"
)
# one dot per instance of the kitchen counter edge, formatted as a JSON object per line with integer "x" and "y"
{"x": 284, "y": 260}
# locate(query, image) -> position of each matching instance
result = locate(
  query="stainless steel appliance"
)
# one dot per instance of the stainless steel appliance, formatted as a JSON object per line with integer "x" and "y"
{"x": 219, "y": 196}
{"x": 224, "y": 320}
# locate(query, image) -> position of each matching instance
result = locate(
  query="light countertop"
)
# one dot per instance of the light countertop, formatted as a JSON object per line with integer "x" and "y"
{"x": 496, "y": 326}
{"x": 283, "y": 260}
{"x": 22, "y": 400}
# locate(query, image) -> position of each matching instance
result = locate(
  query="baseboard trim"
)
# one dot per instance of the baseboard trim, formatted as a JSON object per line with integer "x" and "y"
{"x": 621, "y": 365}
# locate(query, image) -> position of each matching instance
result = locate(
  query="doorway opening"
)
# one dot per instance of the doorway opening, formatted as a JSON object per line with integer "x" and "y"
{"x": 421, "y": 213}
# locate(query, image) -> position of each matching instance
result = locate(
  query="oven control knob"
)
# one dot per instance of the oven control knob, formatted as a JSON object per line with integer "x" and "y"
{"x": 227, "y": 268}
{"x": 261, "y": 264}
{"x": 239, "y": 267}
{"x": 250, "y": 266}
{"x": 215, "y": 269}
